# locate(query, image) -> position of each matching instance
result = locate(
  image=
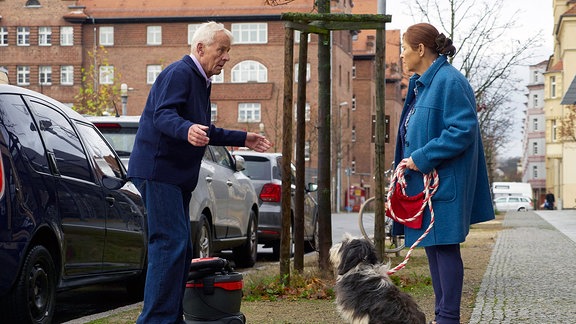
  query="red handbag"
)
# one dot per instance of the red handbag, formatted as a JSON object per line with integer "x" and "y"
{"x": 404, "y": 209}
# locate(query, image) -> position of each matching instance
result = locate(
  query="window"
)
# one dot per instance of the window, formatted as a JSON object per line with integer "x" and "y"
{"x": 249, "y": 112}
{"x": 154, "y": 35}
{"x": 535, "y": 101}
{"x": 66, "y": 36}
{"x": 62, "y": 141}
{"x": 535, "y": 77}
{"x": 44, "y": 36}
{"x": 554, "y": 131}
{"x": 307, "y": 151}
{"x": 106, "y": 36}
{"x": 23, "y": 36}
{"x": 306, "y": 111}
{"x": 191, "y": 30}
{"x": 213, "y": 112}
{"x": 67, "y": 75}
{"x": 23, "y": 75}
{"x": 534, "y": 172}
{"x": 45, "y": 75}
{"x": 250, "y": 33}
{"x": 249, "y": 71}
{"x": 307, "y": 72}
{"x": 353, "y": 136}
{"x": 297, "y": 34}
{"x": 353, "y": 165}
{"x": 552, "y": 87}
{"x": 535, "y": 124}
{"x": 3, "y": 36}
{"x": 353, "y": 71}
{"x": 152, "y": 72}
{"x": 353, "y": 102}
{"x": 535, "y": 148}
{"x": 104, "y": 160}
{"x": 107, "y": 74}
{"x": 218, "y": 78}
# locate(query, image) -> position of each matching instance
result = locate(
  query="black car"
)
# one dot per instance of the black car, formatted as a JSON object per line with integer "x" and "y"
{"x": 68, "y": 215}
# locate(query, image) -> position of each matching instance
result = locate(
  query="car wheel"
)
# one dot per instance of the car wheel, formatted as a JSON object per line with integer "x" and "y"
{"x": 522, "y": 209}
{"x": 203, "y": 244}
{"x": 247, "y": 253}
{"x": 312, "y": 245}
{"x": 34, "y": 296}
{"x": 276, "y": 246}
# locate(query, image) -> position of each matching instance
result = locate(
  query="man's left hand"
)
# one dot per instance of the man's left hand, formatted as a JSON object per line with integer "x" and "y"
{"x": 257, "y": 142}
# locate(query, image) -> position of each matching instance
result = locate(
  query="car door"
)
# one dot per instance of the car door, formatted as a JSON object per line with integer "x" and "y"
{"x": 230, "y": 190}
{"x": 125, "y": 242}
{"x": 80, "y": 198}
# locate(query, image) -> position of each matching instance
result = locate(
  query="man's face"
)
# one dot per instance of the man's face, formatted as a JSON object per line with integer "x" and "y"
{"x": 214, "y": 56}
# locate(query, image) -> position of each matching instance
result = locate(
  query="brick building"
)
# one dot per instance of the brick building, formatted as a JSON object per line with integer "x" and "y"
{"x": 135, "y": 40}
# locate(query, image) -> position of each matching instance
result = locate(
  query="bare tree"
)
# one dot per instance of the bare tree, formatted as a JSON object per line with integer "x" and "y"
{"x": 490, "y": 48}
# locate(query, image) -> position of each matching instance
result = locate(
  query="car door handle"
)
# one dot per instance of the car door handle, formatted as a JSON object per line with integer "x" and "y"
{"x": 209, "y": 179}
{"x": 229, "y": 183}
{"x": 110, "y": 200}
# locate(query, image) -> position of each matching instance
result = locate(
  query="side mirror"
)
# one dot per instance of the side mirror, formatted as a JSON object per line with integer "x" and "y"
{"x": 240, "y": 163}
{"x": 113, "y": 183}
{"x": 312, "y": 187}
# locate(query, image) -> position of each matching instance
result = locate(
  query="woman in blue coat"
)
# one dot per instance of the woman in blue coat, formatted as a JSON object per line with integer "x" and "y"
{"x": 439, "y": 130}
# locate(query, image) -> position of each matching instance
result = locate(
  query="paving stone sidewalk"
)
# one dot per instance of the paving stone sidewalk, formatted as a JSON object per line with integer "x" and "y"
{"x": 531, "y": 276}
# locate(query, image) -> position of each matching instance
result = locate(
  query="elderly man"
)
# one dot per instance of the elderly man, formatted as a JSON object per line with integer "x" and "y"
{"x": 173, "y": 133}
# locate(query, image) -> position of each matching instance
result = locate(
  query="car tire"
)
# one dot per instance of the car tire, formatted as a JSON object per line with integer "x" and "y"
{"x": 247, "y": 253}
{"x": 203, "y": 243}
{"x": 276, "y": 246}
{"x": 33, "y": 299}
{"x": 312, "y": 245}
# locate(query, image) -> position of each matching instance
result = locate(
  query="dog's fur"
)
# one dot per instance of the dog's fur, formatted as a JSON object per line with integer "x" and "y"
{"x": 364, "y": 293}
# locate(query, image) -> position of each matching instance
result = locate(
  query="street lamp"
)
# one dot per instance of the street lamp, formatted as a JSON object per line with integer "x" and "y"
{"x": 261, "y": 126}
{"x": 339, "y": 157}
{"x": 124, "y": 97}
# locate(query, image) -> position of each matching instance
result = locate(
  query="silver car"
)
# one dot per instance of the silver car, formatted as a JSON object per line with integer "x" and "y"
{"x": 224, "y": 206}
{"x": 265, "y": 171}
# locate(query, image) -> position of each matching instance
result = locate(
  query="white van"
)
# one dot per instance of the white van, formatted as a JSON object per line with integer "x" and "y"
{"x": 504, "y": 189}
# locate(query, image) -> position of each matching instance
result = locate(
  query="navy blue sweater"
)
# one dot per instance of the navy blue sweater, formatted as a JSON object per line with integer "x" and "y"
{"x": 178, "y": 99}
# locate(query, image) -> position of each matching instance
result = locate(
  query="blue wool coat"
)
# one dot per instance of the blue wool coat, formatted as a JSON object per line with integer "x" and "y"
{"x": 443, "y": 134}
{"x": 179, "y": 98}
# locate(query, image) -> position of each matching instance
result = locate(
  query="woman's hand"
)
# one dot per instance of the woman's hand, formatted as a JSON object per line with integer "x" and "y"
{"x": 410, "y": 165}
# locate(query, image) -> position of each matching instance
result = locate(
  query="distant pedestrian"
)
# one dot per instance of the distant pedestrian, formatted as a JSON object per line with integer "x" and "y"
{"x": 174, "y": 130}
{"x": 549, "y": 203}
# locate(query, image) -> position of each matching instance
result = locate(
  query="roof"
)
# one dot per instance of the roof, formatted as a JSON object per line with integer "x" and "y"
{"x": 570, "y": 96}
{"x": 188, "y": 8}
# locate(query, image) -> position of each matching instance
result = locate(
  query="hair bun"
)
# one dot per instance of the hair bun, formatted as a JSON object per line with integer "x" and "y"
{"x": 444, "y": 45}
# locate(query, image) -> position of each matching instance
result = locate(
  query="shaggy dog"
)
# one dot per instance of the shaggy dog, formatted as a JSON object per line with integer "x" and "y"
{"x": 364, "y": 293}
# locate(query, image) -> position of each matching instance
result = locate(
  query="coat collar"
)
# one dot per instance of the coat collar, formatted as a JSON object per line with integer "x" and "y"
{"x": 426, "y": 78}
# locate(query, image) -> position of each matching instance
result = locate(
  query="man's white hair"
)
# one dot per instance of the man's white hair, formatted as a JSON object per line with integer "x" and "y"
{"x": 206, "y": 33}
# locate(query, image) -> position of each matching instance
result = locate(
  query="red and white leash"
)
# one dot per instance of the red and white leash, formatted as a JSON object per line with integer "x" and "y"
{"x": 431, "y": 182}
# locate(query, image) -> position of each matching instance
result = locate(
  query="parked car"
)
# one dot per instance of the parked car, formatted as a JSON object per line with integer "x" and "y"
{"x": 68, "y": 215}
{"x": 265, "y": 171}
{"x": 518, "y": 203}
{"x": 224, "y": 205}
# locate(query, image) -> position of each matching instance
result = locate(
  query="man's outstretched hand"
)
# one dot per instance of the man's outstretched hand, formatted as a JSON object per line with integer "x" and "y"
{"x": 257, "y": 142}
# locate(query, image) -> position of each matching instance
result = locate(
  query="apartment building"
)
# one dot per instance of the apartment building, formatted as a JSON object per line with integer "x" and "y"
{"x": 534, "y": 141}
{"x": 560, "y": 73}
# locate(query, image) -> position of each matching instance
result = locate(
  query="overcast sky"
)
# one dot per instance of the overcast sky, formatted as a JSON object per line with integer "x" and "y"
{"x": 533, "y": 16}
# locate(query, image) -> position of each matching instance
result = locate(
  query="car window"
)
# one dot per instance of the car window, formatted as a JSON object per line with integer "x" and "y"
{"x": 514, "y": 199}
{"x": 524, "y": 199}
{"x": 121, "y": 138}
{"x": 501, "y": 199}
{"x": 222, "y": 157}
{"x": 101, "y": 153}
{"x": 21, "y": 132}
{"x": 61, "y": 139}
{"x": 256, "y": 167}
